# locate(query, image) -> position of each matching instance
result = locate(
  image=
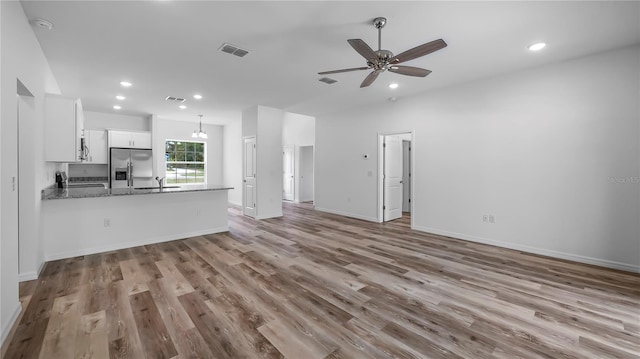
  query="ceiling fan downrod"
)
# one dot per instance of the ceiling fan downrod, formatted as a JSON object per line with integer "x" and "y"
{"x": 379, "y": 23}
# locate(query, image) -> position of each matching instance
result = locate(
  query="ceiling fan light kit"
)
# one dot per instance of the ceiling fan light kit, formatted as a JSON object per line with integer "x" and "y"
{"x": 383, "y": 60}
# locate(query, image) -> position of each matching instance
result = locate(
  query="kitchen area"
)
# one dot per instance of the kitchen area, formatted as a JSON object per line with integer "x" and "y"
{"x": 111, "y": 191}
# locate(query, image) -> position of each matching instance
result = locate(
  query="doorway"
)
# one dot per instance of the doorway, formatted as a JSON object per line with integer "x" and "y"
{"x": 249, "y": 177}
{"x": 288, "y": 173}
{"x": 395, "y": 163}
{"x": 28, "y": 246}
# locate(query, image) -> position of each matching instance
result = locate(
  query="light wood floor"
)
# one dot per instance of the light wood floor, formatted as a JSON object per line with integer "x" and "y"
{"x": 314, "y": 285}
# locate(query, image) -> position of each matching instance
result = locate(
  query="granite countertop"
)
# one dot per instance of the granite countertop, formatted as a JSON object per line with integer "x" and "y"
{"x": 92, "y": 192}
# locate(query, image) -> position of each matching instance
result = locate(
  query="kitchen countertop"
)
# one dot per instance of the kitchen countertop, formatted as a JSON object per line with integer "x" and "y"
{"x": 92, "y": 192}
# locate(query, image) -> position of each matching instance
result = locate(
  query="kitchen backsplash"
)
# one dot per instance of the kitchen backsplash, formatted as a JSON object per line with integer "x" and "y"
{"x": 88, "y": 170}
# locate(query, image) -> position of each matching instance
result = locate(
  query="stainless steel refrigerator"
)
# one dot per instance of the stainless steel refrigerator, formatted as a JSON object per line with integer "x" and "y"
{"x": 130, "y": 168}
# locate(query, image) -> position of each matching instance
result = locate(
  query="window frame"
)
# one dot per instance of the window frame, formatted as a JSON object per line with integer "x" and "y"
{"x": 204, "y": 163}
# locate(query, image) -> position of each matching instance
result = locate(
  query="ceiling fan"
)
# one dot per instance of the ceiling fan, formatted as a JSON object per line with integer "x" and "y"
{"x": 382, "y": 60}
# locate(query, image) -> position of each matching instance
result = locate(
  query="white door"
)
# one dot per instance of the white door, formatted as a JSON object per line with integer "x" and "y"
{"x": 392, "y": 206}
{"x": 288, "y": 165}
{"x": 249, "y": 173}
{"x": 406, "y": 176}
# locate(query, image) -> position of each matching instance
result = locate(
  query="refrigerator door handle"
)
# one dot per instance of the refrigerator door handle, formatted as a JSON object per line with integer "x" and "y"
{"x": 128, "y": 174}
{"x": 131, "y": 173}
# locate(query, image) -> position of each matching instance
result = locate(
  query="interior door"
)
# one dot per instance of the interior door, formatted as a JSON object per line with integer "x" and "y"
{"x": 288, "y": 169}
{"x": 392, "y": 178}
{"x": 249, "y": 181}
{"x": 406, "y": 176}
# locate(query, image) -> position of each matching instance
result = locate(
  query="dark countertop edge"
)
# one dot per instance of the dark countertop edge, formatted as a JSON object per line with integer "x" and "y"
{"x": 97, "y": 192}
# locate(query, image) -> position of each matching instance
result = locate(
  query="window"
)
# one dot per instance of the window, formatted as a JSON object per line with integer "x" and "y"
{"x": 185, "y": 162}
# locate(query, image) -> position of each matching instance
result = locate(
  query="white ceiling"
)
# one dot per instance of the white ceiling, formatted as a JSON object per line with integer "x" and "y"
{"x": 170, "y": 48}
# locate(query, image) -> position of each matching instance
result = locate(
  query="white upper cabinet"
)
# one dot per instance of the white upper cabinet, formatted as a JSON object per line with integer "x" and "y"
{"x": 129, "y": 139}
{"x": 97, "y": 143}
{"x": 141, "y": 139}
{"x": 63, "y": 127}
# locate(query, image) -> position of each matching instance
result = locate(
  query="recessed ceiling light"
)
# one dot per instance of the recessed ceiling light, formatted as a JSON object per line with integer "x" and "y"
{"x": 116, "y": 107}
{"x": 393, "y": 86}
{"x": 197, "y": 96}
{"x": 125, "y": 84}
{"x": 182, "y": 106}
{"x": 120, "y": 97}
{"x": 537, "y": 46}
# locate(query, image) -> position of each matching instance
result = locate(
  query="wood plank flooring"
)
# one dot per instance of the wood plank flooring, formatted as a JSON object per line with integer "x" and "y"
{"x": 315, "y": 285}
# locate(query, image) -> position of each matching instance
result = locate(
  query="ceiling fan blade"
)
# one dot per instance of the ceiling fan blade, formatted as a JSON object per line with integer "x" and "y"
{"x": 363, "y": 49}
{"x": 343, "y": 70}
{"x": 370, "y": 78}
{"x": 409, "y": 70}
{"x": 418, "y": 51}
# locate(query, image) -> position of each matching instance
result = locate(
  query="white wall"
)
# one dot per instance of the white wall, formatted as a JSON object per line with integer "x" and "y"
{"x": 232, "y": 160}
{"x": 164, "y": 130}
{"x": 101, "y": 121}
{"x": 269, "y": 162}
{"x": 552, "y": 152}
{"x": 305, "y": 164}
{"x": 298, "y": 129}
{"x": 22, "y": 59}
{"x": 265, "y": 123}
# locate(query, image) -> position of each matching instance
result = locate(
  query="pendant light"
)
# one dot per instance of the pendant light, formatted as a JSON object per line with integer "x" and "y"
{"x": 199, "y": 133}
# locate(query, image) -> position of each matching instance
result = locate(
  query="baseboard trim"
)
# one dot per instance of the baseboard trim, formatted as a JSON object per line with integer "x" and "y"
{"x": 347, "y": 214}
{"x": 117, "y": 246}
{"x": 24, "y": 277}
{"x": 545, "y": 252}
{"x": 6, "y": 330}
{"x": 237, "y": 204}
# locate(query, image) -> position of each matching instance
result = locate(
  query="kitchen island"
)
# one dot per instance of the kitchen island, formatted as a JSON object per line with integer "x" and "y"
{"x": 81, "y": 221}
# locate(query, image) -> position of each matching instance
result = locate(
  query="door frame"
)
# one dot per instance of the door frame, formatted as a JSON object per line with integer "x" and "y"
{"x": 380, "y": 194}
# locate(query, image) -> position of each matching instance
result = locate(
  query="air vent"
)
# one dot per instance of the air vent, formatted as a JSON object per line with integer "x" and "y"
{"x": 233, "y": 50}
{"x": 328, "y": 80}
{"x": 174, "y": 99}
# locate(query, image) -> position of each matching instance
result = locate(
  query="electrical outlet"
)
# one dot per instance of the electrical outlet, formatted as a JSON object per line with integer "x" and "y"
{"x": 485, "y": 218}
{"x": 107, "y": 222}
{"x": 492, "y": 218}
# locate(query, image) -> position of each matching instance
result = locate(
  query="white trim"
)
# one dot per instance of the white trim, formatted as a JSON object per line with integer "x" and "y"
{"x": 346, "y": 214}
{"x": 546, "y": 252}
{"x": 24, "y": 277}
{"x": 114, "y": 247}
{"x": 233, "y": 203}
{"x": 7, "y": 329}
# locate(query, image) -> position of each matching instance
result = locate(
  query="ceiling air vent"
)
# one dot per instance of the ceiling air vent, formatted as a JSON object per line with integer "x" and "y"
{"x": 328, "y": 80}
{"x": 174, "y": 99}
{"x": 233, "y": 50}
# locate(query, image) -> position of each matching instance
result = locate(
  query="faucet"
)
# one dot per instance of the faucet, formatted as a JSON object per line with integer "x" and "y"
{"x": 160, "y": 182}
